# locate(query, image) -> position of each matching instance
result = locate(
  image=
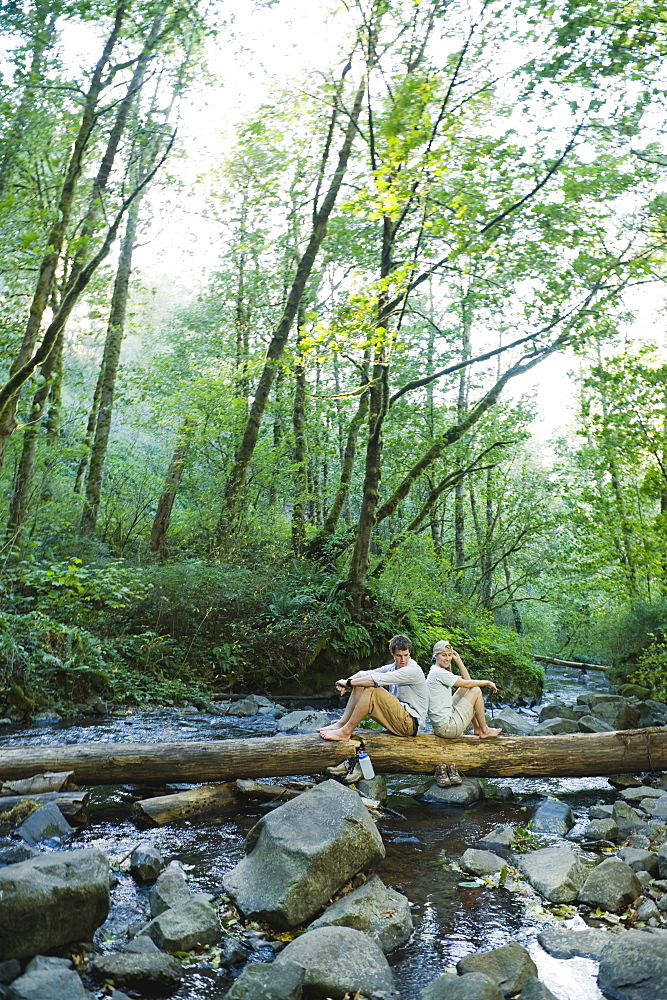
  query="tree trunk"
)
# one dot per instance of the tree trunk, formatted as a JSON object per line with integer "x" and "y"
{"x": 575, "y": 755}
{"x": 300, "y": 475}
{"x": 58, "y": 229}
{"x": 237, "y": 478}
{"x": 109, "y": 371}
{"x": 20, "y": 499}
{"x": 174, "y": 473}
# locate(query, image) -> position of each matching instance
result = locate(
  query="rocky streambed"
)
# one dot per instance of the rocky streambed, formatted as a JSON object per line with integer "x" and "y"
{"x": 531, "y": 888}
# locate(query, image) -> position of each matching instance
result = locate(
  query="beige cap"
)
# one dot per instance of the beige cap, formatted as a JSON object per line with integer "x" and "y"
{"x": 443, "y": 646}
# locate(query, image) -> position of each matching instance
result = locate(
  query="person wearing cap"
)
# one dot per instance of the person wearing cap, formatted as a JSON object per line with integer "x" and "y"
{"x": 456, "y": 700}
{"x": 395, "y": 695}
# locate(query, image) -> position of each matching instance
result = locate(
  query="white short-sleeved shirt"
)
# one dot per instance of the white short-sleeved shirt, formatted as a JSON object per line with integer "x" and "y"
{"x": 440, "y": 684}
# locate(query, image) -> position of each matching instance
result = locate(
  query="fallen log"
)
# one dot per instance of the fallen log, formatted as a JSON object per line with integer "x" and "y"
{"x": 570, "y": 663}
{"x": 61, "y": 781}
{"x": 206, "y": 800}
{"x": 571, "y": 755}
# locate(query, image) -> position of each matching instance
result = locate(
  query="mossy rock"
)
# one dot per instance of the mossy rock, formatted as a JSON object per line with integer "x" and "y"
{"x": 19, "y": 701}
{"x": 634, "y": 691}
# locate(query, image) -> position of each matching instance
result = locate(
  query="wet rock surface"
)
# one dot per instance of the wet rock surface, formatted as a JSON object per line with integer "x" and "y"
{"x": 303, "y": 853}
{"x": 338, "y": 960}
{"x": 374, "y": 909}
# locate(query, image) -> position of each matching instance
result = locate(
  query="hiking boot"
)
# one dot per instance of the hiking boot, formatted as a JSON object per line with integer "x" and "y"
{"x": 454, "y": 776}
{"x": 340, "y": 770}
{"x": 441, "y": 775}
{"x": 354, "y": 775}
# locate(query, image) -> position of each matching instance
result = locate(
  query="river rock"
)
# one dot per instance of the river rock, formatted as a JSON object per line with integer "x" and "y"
{"x": 647, "y": 910}
{"x": 633, "y": 966}
{"x": 591, "y": 724}
{"x": 481, "y": 862}
{"x": 499, "y": 838}
{"x": 46, "y": 979}
{"x": 601, "y": 829}
{"x": 170, "y": 890}
{"x": 585, "y": 943}
{"x": 662, "y": 861}
{"x": 639, "y": 860}
{"x": 373, "y": 788}
{"x": 656, "y": 808}
{"x": 142, "y": 945}
{"x": 9, "y": 970}
{"x": 627, "y": 820}
{"x": 181, "y": 928}
{"x": 513, "y": 724}
{"x": 465, "y": 794}
{"x": 555, "y": 872}
{"x": 268, "y": 982}
{"x": 472, "y": 986}
{"x": 656, "y": 830}
{"x": 146, "y": 863}
{"x": 509, "y": 966}
{"x": 535, "y": 990}
{"x": 43, "y": 824}
{"x": 302, "y": 853}
{"x": 612, "y": 886}
{"x": 51, "y": 900}
{"x": 150, "y": 975}
{"x": 600, "y": 811}
{"x": 17, "y": 852}
{"x": 619, "y": 715}
{"x": 339, "y": 960}
{"x": 552, "y": 816}
{"x": 300, "y": 723}
{"x": 556, "y": 710}
{"x": 556, "y": 727}
{"x": 636, "y": 794}
{"x": 374, "y": 909}
{"x": 243, "y": 708}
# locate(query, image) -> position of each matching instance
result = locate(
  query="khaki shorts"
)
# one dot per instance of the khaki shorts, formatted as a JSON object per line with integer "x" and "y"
{"x": 388, "y": 710}
{"x": 459, "y": 720}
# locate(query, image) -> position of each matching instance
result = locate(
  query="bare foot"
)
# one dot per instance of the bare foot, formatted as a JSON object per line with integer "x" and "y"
{"x": 325, "y": 729}
{"x": 334, "y": 734}
{"x": 490, "y": 732}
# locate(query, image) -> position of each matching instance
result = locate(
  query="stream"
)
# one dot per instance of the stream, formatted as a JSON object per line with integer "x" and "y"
{"x": 450, "y": 920}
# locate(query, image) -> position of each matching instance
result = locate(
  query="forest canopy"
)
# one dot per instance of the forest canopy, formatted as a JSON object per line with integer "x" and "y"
{"x": 310, "y": 424}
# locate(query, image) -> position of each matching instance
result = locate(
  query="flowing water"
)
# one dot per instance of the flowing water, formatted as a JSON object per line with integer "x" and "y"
{"x": 450, "y": 920}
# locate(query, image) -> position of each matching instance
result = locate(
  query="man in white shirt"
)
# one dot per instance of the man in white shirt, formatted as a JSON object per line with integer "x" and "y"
{"x": 395, "y": 695}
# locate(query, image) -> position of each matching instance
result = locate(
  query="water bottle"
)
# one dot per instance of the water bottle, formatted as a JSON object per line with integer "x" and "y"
{"x": 366, "y": 766}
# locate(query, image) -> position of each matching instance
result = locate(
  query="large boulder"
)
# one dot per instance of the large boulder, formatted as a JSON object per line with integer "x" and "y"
{"x": 268, "y": 982}
{"x": 633, "y": 966}
{"x": 52, "y": 900}
{"x": 557, "y": 710}
{"x": 473, "y": 986}
{"x": 48, "y": 978}
{"x": 339, "y": 960}
{"x": 302, "y": 853}
{"x": 612, "y": 886}
{"x": 555, "y": 872}
{"x": 619, "y": 714}
{"x": 557, "y": 727}
{"x": 552, "y": 816}
{"x": 509, "y": 966}
{"x": 373, "y": 909}
{"x": 192, "y": 923}
{"x": 155, "y": 975}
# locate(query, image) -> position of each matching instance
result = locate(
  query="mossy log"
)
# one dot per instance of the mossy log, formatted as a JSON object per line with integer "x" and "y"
{"x": 572, "y": 755}
{"x": 570, "y": 663}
